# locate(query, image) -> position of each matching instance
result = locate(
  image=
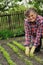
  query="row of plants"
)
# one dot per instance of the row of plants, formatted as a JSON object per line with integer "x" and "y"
{"x": 7, "y": 56}
{"x": 5, "y": 34}
{"x": 20, "y": 46}
{"x": 16, "y": 50}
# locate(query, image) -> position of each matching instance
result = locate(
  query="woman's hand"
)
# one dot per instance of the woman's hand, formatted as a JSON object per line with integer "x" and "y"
{"x": 32, "y": 50}
{"x": 27, "y": 50}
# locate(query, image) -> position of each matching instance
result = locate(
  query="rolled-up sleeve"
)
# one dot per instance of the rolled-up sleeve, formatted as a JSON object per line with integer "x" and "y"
{"x": 27, "y": 33}
{"x": 38, "y": 35}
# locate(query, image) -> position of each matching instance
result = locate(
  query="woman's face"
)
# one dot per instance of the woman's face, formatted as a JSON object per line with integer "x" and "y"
{"x": 32, "y": 16}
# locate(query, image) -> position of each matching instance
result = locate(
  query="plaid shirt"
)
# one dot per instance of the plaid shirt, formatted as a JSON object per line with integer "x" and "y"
{"x": 33, "y": 31}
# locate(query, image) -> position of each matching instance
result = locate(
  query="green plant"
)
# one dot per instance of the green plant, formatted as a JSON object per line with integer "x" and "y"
{"x": 18, "y": 32}
{"x": 38, "y": 59}
{"x": 7, "y": 56}
{"x": 16, "y": 50}
{"x": 19, "y": 45}
{"x": 5, "y": 34}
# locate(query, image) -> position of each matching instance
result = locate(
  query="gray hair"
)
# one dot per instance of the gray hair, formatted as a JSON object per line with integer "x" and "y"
{"x": 27, "y": 12}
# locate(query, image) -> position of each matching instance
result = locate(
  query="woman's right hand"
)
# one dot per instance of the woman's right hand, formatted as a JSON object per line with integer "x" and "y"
{"x": 27, "y": 50}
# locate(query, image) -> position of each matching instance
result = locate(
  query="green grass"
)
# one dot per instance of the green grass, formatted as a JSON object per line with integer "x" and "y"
{"x": 6, "y": 56}
{"x": 16, "y": 50}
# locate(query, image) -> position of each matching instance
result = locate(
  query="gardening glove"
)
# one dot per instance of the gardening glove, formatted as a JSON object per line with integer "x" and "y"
{"x": 27, "y": 50}
{"x": 32, "y": 51}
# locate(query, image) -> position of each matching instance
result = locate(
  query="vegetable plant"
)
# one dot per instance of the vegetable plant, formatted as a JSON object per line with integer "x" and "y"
{"x": 16, "y": 50}
{"x": 19, "y": 45}
{"x": 7, "y": 56}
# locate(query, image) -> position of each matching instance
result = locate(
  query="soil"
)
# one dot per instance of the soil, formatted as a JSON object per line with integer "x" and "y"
{"x": 14, "y": 56}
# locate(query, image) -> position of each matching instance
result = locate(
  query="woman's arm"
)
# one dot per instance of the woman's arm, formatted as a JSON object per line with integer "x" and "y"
{"x": 27, "y": 33}
{"x": 38, "y": 34}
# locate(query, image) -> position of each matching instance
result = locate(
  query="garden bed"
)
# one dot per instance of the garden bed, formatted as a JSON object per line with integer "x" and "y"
{"x": 17, "y": 57}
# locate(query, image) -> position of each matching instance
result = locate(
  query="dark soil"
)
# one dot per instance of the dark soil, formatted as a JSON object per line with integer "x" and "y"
{"x": 14, "y": 56}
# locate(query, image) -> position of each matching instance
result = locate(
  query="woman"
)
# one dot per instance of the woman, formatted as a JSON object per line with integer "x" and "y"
{"x": 33, "y": 26}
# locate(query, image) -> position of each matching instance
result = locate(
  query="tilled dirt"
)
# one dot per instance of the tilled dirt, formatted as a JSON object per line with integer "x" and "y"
{"x": 14, "y": 56}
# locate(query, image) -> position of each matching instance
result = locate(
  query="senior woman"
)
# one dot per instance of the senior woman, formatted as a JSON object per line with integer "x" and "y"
{"x": 33, "y": 26}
